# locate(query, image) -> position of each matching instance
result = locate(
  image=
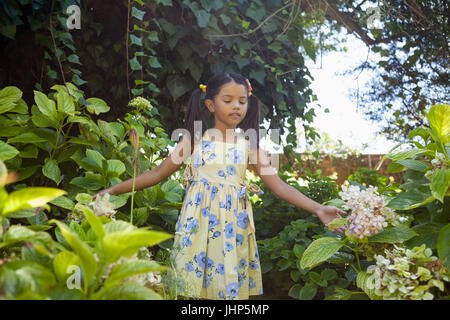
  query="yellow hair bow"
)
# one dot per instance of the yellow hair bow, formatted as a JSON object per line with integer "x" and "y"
{"x": 203, "y": 87}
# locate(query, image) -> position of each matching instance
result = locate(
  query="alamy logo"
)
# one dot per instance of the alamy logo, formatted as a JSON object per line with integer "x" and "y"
{"x": 74, "y": 19}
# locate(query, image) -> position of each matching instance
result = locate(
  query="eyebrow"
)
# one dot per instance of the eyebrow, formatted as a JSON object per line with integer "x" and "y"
{"x": 229, "y": 95}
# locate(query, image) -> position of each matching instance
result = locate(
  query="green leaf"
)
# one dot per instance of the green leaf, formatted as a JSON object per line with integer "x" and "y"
{"x": 408, "y": 200}
{"x": 154, "y": 63}
{"x": 362, "y": 280}
{"x": 134, "y": 64}
{"x": 96, "y": 105}
{"x": 440, "y": 182}
{"x": 177, "y": 86}
{"x": 7, "y": 152}
{"x": 401, "y": 155}
{"x": 306, "y": 292}
{"x": 138, "y": 14}
{"x": 202, "y": 18}
{"x": 393, "y": 235}
{"x": 439, "y": 119}
{"x": 46, "y": 105}
{"x": 127, "y": 243}
{"x": 337, "y": 223}
{"x": 9, "y": 96}
{"x": 51, "y": 170}
{"x": 130, "y": 268}
{"x": 114, "y": 168}
{"x": 63, "y": 202}
{"x": 17, "y": 233}
{"x": 87, "y": 259}
{"x": 135, "y": 40}
{"x": 93, "y": 220}
{"x": 95, "y": 159}
{"x": 417, "y": 165}
{"x": 29, "y": 151}
{"x": 62, "y": 263}
{"x": 30, "y": 198}
{"x": 74, "y": 59}
{"x": 443, "y": 246}
{"x": 27, "y": 137}
{"x": 319, "y": 251}
{"x": 65, "y": 103}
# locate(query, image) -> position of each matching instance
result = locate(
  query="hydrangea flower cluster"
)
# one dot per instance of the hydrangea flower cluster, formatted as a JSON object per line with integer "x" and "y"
{"x": 404, "y": 274}
{"x": 369, "y": 215}
{"x": 141, "y": 104}
{"x": 103, "y": 207}
{"x": 437, "y": 163}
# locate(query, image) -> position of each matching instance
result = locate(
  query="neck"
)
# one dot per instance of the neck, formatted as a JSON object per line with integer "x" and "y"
{"x": 223, "y": 130}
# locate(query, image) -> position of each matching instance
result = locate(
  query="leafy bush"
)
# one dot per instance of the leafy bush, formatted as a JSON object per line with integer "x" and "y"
{"x": 272, "y": 215}
{"x": 102, "y": 254}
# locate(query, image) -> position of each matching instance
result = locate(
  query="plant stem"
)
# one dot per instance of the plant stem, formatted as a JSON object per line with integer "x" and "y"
{"x": 357, "y": 260}
{"x": 132, "y": 193}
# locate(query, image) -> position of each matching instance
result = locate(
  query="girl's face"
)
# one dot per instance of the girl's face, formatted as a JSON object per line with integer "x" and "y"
{"x": 230, "y": 105}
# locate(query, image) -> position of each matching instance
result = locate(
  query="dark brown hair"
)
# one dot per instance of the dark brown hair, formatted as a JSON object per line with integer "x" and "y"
{"x": 196, "y": 110}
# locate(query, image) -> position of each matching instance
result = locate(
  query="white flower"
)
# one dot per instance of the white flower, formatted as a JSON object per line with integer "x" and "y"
{"x": 103, "y": 207}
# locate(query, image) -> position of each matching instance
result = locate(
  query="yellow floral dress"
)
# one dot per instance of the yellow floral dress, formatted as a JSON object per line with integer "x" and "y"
{"x": 215, "y": 254}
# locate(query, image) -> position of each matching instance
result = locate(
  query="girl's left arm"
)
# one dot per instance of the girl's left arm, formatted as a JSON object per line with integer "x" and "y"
{"x": 260, "y": 164}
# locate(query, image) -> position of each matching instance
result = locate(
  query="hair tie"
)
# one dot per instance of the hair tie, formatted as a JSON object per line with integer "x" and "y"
{"x": 203, "y": 87}
{"x": 249, "y": 87}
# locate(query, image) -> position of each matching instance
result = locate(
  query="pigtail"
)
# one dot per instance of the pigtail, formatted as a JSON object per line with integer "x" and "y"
{"x": 251, "y": 120}
{"x": 195, "y": 113}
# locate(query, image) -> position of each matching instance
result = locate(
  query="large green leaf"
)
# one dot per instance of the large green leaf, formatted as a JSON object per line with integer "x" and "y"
{"x": 88, "y": 261}
{"x": 7, "y": 152}
{"x": 8, "y": 98}
{"x": 51, "y": 170}
{"x": 396, "y": 156}
{"x": 127, "y": 243}
{"x": 46, "y": 105}
{"x": 440, "y": 182}
{"x": 26, "y": 137}
{"x": 114, "y": 168}
{"x": 306, "y": 292}
{"x": 319, "y": 251}
{"x": 393, "y": 235}
{"x": 362, "y": 282}
{"x": 17, "y": 233}
{"x": 417, "y": 165}
{"x": 65, "y": 103}
{"x": 130, "y": 268}
{"x": 443, "y": 245}
{"x": 96, "y": 105}
{"x": 410, "y": 199}
{"x": 93, "y": 220}
{"x": 32, "y": 197}
{"x": 439, "y": 119}
{"x": 62, "y": 263}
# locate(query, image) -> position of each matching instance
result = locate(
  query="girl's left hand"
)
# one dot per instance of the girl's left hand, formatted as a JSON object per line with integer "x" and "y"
{"x": 328, "y": 213}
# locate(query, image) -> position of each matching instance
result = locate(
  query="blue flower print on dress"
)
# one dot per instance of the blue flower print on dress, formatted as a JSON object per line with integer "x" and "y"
{"x": 205, "y": 183}
{"x": 189, "y": 266}
{"x": 228, "y": 246}
{"x": 207, "y": 280}
{"x": 216, "y": 234}
{"x": 253, "y": 265}
{"x": 187, "y": 241}
{"x": 233, "y": 289}
{"x": 198, "y": 160}
{"x": 230, "y": 170}
{"x": 242, "y": 263}
{"x": 221, "y": 295}
{"x": 213, "y": 221}
{"x": 192, "y": 226}
{"x": 209, "y": 263}
{"x": 221, "y": 173}
{"x": 198, "y": 198}
{"x": 205, "y": 212}
{"x": 198, "y": 273}
{"x": 229, "y": 202}
{"x": 212, "y": 156}
{"x": 229, "y": 230}
{"x": 200, "y": 259}
{"x": 213, "y": 192}
{"x": 251, "y": 283}
{"x": 239, "y": 239}
{"x": 242, "y": 220}
{"x": 207, "y": 146}
{"x": 220, "y": 269}
{"x": 237, "y": 156}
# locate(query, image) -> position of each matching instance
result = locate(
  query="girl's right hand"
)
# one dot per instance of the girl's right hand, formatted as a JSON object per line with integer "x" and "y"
{"x": 101, "y": 193}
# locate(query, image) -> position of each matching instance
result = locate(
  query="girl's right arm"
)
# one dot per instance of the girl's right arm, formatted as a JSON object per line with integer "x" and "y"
{"x": 156, "y": 175}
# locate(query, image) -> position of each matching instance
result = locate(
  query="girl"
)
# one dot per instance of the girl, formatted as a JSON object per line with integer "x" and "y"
{"x": 215, "y": 252}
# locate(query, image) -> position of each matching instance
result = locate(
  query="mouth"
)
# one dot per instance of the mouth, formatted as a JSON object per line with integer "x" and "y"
{"x": 237, "y": 115}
